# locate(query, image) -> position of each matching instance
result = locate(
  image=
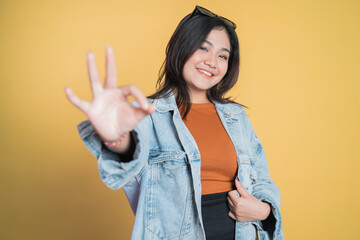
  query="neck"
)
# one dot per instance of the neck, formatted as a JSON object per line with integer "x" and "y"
{"x": 195, "y": 97}
{"x": 199, "y": 97}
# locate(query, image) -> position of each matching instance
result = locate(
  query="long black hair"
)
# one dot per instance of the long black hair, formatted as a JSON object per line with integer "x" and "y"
{"x": 187, "y": 38}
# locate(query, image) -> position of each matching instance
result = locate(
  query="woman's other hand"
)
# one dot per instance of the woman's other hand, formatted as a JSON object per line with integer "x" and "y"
{"x": 246, "y": 208}
{"x": 110, "y": 112}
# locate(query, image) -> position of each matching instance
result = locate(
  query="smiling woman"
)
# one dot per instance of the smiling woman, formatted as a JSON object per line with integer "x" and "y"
{"x": 207, "y": 66}
{"x": 187, "y": 157}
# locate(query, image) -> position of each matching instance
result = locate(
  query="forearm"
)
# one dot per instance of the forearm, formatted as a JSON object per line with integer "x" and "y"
{"x": 263, "y": 211}
{"x": 267, "y": 192}
{"x": 116, "y": 170}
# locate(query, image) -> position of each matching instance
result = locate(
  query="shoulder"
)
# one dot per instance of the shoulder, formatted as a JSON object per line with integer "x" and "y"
{"x": 231, "y": 109}
{"x": 235, "y": 113}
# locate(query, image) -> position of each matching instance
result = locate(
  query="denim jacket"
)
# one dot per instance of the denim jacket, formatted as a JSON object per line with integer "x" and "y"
{"x": 162, "y": 182}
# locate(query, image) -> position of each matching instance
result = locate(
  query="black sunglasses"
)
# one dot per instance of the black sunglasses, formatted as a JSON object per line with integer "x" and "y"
{"x": 208, "y": 13}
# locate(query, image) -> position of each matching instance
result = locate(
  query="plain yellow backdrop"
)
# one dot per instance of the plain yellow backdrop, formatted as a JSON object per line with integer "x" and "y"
{"x": 299, "y": 78}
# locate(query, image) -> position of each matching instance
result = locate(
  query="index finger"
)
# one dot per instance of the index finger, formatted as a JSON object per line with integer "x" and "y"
{"x": 232, "y": 197}
{"x": 132, "y": 90}
{"x": 234, "y": 194}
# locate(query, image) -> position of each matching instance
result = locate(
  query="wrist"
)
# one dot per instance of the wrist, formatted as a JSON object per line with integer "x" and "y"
{"x": 116, "y": 142}
{"x": 265, "y": 212}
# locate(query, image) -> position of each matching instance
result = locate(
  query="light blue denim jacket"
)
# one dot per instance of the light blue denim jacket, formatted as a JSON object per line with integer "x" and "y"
{"x": 162, "y": 182}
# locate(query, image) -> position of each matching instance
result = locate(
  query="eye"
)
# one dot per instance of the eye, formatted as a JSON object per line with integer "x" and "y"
{"x": 203, "y": 48}
{"x": 224, "y": 57}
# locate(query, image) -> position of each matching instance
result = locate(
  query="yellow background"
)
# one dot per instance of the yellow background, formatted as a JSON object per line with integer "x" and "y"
{"x": 299, "y": 78}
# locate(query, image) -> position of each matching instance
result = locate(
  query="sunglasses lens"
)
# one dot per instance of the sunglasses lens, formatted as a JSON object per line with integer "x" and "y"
{"x": 228, "y": 22}
{"x": 208, "y": 13}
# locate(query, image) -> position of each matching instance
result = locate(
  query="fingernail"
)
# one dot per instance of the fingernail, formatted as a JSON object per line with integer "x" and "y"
{"x": 89, "y": 53}
{"x": 237, "y": 179}
{"x": 146, "y": 105}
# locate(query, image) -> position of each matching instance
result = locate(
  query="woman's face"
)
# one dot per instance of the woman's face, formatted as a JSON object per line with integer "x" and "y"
{"x": 207, "y": 65}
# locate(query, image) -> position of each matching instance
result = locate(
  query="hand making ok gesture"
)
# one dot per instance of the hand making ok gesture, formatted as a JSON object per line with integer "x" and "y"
{"x": 110, "y": 112}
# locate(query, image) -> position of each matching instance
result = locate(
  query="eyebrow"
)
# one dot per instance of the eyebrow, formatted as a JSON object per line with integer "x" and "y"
{"x": 223, "y": 49}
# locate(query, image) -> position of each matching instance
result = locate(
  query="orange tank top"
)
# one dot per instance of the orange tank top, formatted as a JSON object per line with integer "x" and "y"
{"x": 218, "y": 155}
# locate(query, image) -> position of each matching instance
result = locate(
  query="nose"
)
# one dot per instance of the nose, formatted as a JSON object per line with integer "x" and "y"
{"x": 211, "y": 61}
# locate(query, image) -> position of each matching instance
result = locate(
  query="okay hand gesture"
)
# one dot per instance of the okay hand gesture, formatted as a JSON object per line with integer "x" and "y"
{"x": 110, "y": 112}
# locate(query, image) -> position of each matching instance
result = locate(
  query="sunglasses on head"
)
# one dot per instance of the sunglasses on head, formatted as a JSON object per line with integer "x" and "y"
{"x": 208, "y": 13}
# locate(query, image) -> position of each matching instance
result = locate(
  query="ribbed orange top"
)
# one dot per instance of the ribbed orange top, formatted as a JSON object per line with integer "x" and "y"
{"x": 218, "y": 155}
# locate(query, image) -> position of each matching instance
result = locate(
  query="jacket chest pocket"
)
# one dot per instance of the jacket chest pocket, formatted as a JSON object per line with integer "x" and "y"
{"x": 169, "y": 194}
{"x": 247, "y": 174}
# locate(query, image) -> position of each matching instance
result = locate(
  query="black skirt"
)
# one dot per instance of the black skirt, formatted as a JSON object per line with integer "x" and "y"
{"x": 217, "y": 223}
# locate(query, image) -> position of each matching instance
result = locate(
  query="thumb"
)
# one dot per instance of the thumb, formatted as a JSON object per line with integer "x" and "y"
{"x": 240, "y": 188}
{"x": 140, "y": 113}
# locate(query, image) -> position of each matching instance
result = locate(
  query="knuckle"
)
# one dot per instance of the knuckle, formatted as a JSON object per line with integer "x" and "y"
{"x": 119, "y": 90}
{"x": 133, "y": 87}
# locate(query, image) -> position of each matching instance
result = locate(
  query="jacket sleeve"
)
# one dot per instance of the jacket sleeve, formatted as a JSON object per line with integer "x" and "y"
{"x": 264, "y": 188}
{"x": 114, "y": 172}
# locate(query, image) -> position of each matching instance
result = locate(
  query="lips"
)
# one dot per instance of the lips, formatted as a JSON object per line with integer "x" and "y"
{"x": 205, "y": 73}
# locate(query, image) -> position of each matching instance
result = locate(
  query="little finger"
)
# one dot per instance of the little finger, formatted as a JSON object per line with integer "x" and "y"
{"x": 231, "y": 215}
{"x": 77, "y": 102}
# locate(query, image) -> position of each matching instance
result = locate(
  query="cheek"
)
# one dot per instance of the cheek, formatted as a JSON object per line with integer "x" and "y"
{"x": 195, "y": 58}
{"x": 224, "y": 68}
{"x": 186, "y": 69}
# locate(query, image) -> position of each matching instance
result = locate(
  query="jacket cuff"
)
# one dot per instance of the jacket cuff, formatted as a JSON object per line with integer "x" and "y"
{"x": 114, "y": 172}
{"x": 271, "y": 227}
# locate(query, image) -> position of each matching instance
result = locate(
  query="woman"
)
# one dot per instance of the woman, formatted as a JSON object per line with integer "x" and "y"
{"x": 152, "y": 148}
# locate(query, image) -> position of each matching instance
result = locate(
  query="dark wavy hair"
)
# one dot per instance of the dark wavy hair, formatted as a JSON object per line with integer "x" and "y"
{"x": 187, "y": 38}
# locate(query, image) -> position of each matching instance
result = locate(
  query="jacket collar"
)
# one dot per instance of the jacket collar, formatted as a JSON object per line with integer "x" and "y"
{"x": 168, "y": 103}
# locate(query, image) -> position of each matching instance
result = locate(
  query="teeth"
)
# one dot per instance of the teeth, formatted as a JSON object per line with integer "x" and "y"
{"x": 203, "y": 71}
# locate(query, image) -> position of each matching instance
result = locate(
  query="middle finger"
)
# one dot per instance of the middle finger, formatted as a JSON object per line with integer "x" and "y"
{"x": 111, "y": 75}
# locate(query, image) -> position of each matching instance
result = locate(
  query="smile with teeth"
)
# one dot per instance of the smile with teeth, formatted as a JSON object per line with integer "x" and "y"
{"x": 208, "y": 74}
